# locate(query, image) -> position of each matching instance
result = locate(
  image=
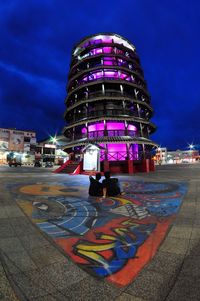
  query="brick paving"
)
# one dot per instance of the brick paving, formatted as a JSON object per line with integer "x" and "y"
{"x": 33, "y": 267}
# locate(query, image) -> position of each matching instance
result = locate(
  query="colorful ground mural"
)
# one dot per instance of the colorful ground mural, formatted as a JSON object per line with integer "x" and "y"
{"x": 112, "y": 238}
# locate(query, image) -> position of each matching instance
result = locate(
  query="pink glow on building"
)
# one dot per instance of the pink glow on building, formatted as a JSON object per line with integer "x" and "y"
{"x": 98, "y": 74}
{"x": 96, "y": 51}
{"x": 96, "y": 127}
{"x": 116, "y": 147}
{"x": 107, "y": 74}
{"x": 108, "y": 63}
{"x": 116, "y": 152}
{"x": 132, "y": 128}
{"x": 135, "y": 150}
{"x": 84, "y": 130}
{"x": 111, "y": 74}
{"x": 109, "y": 126}
{"x": 115, "y": 126}
{"x": 106, "y": 39}
{"x": 107, "y": 49}
{"x": 85, "y": 79}
{"x": 102, "y": 151}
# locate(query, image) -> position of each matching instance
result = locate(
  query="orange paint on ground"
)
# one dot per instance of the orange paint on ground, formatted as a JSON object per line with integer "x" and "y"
{"x": 144, "y": 254}
{"x": 50, "y": 190}
{"x": 67, "y": 245}
{"x": 133, "y": 266}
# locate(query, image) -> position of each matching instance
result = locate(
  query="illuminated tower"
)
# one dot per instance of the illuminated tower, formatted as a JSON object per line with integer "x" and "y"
{"x": 107, "y": 102}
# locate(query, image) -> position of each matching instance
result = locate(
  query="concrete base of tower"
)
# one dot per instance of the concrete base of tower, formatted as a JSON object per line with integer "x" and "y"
{"x": 152, "y": 165}
{"x": 115, "y": 167}
{"x": 130, "y": 167}
{"x": 105, "y": 165}
{"x": 127, "y": 166}
{"x": 145, "y": 165}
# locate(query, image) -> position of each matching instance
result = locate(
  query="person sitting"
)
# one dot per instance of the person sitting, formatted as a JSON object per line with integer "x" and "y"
{"x": 110, "y": 185}
{"x": 96, "y": 187}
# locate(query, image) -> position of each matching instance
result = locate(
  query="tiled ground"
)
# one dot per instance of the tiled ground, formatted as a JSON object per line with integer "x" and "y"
{"x": 33, "y": 267}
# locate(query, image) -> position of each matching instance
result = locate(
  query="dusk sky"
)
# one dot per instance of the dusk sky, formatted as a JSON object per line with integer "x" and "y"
{"x": 37, "y": 37}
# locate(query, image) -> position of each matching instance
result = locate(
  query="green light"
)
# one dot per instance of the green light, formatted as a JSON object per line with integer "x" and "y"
{"x": 53, "y": 139}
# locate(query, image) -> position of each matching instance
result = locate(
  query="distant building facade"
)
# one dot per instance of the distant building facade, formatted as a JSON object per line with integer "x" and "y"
{"x": 161, "y": 155}
{"x": 52, "y": 150}
{"x": 24, "y": 146}
{"x": 164, "y": 156}
{"x": 13, "y": 140}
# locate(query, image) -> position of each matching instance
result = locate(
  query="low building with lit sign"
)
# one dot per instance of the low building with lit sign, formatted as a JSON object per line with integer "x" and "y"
{"x": 17, "y": 142}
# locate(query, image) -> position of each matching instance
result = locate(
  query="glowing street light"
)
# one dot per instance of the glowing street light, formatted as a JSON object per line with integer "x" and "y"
{"x": 53, "y": 139}
{"x": 191, "y": 146}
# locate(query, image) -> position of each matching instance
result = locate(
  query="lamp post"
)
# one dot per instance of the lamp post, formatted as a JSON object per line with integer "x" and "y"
{"x": 159, "y": 155}
{"x": 53, "y": 140}
{"x": 191, "y": 147}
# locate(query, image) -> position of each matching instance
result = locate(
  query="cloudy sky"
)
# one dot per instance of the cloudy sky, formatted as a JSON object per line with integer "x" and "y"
{"x": 37, "y": 37}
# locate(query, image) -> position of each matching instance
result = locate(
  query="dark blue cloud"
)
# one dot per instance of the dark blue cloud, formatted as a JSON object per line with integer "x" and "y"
{"x": 37, "y": 38}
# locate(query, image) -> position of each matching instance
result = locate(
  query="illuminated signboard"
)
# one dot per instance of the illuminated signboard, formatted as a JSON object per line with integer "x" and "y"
{"x": 91, "y": 158}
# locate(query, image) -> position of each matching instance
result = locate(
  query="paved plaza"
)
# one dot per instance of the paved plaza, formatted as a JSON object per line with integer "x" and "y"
{"x": 57, "y": 243}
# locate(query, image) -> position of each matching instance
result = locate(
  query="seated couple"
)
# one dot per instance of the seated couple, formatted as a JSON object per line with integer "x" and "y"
{"x": 108, "y": 187}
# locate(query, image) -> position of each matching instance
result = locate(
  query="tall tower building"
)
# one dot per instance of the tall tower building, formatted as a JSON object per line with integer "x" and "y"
{"x": 107, "y": 100}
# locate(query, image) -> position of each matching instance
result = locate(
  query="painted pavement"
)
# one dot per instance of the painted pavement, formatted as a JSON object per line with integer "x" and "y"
{"x": 112, "y": 238}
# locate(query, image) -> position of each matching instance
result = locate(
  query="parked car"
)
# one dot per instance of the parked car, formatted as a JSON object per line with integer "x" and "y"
{"x": 37, "y": 164}
{"x": 49, "y": 164}
{"x": 14, "y": 163}
{"x": 185, "y": 161}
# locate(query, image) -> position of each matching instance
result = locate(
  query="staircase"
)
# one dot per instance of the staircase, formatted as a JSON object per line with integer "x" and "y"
{"x": 68, "y": 167}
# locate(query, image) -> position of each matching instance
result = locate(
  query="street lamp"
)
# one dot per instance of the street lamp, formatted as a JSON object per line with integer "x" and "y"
{"x": 53, "y": 139}
{"x": 191, "y": 147}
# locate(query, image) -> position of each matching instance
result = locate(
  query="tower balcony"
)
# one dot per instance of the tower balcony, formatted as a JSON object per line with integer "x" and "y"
{"x": 108, "y": 133}
{"x": 105, "y": 113}
{"x": 105, "y": 81}
{"x": 107, "y": 95}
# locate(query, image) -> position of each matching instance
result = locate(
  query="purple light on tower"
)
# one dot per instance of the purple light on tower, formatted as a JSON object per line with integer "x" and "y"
{"x": 84, "y": 130}
{"x": 112, "y": 74}
{"x": 96, "y": 127}
{"x": 108, "y": 103}
{"x": 132, "y": 128}
{"x": 115, "y": 125}
{"x": 116, "y": 152}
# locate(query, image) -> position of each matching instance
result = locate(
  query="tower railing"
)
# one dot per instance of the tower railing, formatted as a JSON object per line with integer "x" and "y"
{"x": 108, "y": 113}
{"x": 109, "y": 133}
{"x": 122, "y": 155}
{"x": 128, "y": 79}
{"x": 112, "y": 133}
{"x": 107, "y": 93}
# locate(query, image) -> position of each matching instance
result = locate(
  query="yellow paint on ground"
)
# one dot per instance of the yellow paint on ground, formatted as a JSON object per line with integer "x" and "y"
{"x": 27, "y": 207}
{"x": 49, "y": 190}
